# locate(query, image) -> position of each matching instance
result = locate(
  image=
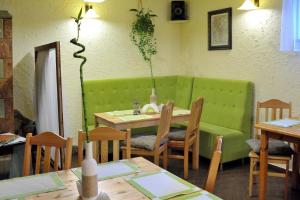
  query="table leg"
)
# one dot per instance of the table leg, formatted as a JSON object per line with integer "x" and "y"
{"x": 263, "y": 165}
{"x": 195, "y": 149}
{"x": 96, "y": 122}
{"x": 128, "y": 151}
{"x": 296, "y": 159}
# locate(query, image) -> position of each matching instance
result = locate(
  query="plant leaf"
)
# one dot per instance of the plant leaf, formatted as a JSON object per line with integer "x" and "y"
{"x": 80, "y": 13}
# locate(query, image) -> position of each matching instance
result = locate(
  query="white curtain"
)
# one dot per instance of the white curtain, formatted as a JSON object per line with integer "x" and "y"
{"x": 46, "y": 92}
{"x": 290, "y": 26}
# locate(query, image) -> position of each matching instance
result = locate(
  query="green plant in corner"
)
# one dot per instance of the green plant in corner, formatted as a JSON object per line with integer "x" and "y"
{"x": 77, "y": 54}
{"x": 142, "y": 36}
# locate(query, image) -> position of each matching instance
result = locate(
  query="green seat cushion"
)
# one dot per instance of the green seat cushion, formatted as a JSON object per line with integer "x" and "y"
{"x": 233, "y": 142}
{"x": 218, "y": 130}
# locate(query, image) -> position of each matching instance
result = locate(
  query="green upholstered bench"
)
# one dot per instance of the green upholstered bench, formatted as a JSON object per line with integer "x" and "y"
{"x": 227, "y": 111}
{"x": 119, "y": 94}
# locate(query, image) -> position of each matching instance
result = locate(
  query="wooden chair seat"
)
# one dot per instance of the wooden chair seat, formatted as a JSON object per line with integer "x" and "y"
{"x": 143, "y": 152}
{"x": 146, "y": 142}
{"x": 44, "y": 142}
{"x": 252, "y": 154}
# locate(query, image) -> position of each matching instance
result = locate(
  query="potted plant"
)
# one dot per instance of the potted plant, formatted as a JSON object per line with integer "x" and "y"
{"x": 142, "y": 36}
{"x": 88, "y": 187}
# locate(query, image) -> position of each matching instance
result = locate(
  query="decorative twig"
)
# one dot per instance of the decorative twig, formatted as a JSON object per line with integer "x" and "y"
{"x": 77, "y": 54}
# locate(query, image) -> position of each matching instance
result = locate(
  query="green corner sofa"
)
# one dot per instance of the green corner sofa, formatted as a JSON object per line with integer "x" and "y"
{"x": 227, "y": 111}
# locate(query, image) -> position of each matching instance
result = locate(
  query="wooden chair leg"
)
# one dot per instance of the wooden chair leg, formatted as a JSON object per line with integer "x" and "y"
{"x": 254, "y": 181}
{"x": 186, "y": 163}
{"x": 286, "y": 189}
{"x": 195, "y": 149}
{"x": 124, "y": 154}
{"x": 165, "y": 158}
{"x": 156, "y": 159}
{"x": 251, "y": 177}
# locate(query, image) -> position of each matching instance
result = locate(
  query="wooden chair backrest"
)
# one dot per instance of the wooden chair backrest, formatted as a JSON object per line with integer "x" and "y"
{"x": 100, "y": 137}
{"x": 193, "y": 126}
{"x": 164, "y": 124}
{"x": 47, "y": 140}
{"x": 214, "y": 166}
{"x": 273, "y": 110}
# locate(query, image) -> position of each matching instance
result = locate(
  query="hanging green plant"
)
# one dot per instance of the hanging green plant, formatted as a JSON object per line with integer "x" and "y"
{"x": 142, "y": 36}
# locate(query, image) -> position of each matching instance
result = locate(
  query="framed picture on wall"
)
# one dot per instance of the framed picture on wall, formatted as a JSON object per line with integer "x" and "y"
{"x": 220, "y": 29}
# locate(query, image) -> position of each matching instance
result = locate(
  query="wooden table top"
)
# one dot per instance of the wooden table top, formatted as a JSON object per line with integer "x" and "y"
{"x": 116, "y": 188}
{"x": 293, "y": 131}
{"x": 153, "y": 120}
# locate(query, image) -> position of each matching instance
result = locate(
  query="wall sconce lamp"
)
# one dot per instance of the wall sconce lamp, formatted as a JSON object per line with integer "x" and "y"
{"x": 249, "y": 5}
{"x": 89, "y": 10}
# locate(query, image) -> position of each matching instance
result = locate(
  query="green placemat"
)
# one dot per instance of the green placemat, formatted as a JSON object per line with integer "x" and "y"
{"x": 134, "y": 117}
{"x": 181, "y": 112}
{"x": 18, "y": 188}
{"x": 120, "y": 113}
{"x": 111, "y": 170}
{"x": 202, "y": 195}
{"x": 162, "y": 185}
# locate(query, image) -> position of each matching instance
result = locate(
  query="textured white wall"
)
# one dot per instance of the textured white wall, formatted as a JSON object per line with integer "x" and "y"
{"x": 182, "y": 48}
{"x": 255, "y": 55}
{"x": 109, "y": 50}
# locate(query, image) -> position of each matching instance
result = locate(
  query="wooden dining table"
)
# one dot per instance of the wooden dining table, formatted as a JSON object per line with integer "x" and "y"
{"x": 290, "y": 134}
{"x": 116, "y": 120}
{"x": 116, "y": 188}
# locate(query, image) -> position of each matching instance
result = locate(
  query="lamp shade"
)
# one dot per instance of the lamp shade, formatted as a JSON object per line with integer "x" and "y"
{"x": 91, "y": 13}
{"x": 248, "y": 5}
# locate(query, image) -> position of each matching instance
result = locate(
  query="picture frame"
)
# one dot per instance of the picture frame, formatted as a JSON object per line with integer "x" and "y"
{"x": 220, "y": 29}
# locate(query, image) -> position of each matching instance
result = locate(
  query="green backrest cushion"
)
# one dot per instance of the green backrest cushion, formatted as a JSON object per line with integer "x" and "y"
{"x": 184, "y": 87}
{"x": 165, "y": 88}
{"x": 227, "y": 103}
{"x": 119, "y": 94}
{"x": 114, "y": 94}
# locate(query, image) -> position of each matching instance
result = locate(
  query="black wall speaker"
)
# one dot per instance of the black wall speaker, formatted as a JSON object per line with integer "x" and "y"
{"x": 178, "y": 10}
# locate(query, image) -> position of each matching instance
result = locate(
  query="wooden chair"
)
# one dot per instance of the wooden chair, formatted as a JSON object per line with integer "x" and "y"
{"x": 214, "y": 166}
{"x": 47, "y": 140}
{"x": 274, "y": 109}
{"x": 155, "y": 145}
{"x": 100, "y": 137}
{"x": 184, "y": 140}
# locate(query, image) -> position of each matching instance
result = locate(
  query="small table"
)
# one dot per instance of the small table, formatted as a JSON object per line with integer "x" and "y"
{"x": 116, "y": 188}
{"x": 291, "y": 134}
{"x": 124, "y": 120}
